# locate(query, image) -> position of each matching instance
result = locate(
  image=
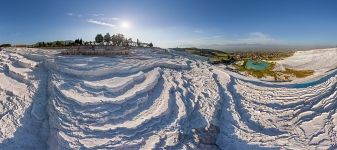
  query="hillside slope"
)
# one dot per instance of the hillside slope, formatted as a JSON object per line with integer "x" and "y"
{"x": 155, "y": 99}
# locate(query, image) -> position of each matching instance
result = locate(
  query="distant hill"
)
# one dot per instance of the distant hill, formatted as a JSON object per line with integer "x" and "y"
{"x": 260, "y": 47}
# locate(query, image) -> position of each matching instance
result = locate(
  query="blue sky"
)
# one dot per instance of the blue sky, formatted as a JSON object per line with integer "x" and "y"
{"x": 171, "y": 23}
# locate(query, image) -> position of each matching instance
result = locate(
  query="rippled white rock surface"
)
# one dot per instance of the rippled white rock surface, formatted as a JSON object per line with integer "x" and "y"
{"x": 155, "y": 99}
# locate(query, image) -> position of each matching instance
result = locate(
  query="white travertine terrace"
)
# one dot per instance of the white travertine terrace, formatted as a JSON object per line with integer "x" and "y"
{"x": 159, "y": 99}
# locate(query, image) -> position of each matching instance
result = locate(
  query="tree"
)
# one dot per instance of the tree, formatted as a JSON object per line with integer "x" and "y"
{"x": 5, "y": 45}
{"x": 107, "y": 38}
{"x": 114, "y": 40}
{"x": 99, "y": 38}
{"x": 125, "y": 42}
{"x": 77, "y": 42}
{"x": 120, "y": 39}
{"x": 58, "y": 43}
{"x": 128, "y": 42}
{"x": 138, "y": 43}
{"x": 150, "y": 45}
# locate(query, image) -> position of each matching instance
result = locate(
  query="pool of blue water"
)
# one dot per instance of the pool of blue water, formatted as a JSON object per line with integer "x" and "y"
{"x": 256, "y": 65}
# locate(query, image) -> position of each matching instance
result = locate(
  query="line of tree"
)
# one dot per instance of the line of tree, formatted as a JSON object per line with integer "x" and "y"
{"x": 60, "y": 43}
{"x": 115, "y": 40}
{"x": 107, "y": 39}
{"x": 5, "y": 45}
{"x": 118, "y": 40}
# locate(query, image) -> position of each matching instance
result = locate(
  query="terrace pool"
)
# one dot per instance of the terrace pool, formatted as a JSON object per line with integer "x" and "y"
{"x": 256, "y": 65}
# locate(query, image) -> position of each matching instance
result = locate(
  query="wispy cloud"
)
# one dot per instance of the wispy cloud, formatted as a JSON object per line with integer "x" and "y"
{"x": 74, "y": 15}
{"x": 258, "y": 38}
{"x": 110, "y": 19}
{"x": 217, "y": 36}
{"x": 97, "y": 15}
{"x": 112, "y": 22}
{"x": 258, "y": 34}
{"x": 102, "y": 23}
{"x": 198, "y": 31}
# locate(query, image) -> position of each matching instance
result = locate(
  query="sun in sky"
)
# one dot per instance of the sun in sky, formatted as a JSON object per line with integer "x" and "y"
{"x": 125, "y": 25}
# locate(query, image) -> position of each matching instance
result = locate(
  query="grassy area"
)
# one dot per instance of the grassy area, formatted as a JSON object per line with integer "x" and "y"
{"x": 214, "y": 56}
{"x": 258, "y": 74}
{"x": 277, "y": 75}
{"x": 298, "y": 73}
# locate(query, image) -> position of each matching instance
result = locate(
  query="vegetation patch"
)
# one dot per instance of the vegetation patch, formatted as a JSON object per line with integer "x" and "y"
{"x": 298, "y": 73}
{"x": 257, "y": 73}
{"x": 277, "y": 75}
{"x": 5, "y": 45}
{"x": 234, "y": 59}
{"x": 226, "y": 57}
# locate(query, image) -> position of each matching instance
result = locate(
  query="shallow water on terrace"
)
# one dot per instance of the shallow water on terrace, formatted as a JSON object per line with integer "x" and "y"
{"x": 256, "y": 65}
{"x": 316, "y": 80}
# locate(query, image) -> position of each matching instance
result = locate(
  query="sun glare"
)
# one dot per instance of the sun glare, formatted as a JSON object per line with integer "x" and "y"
{"x": 125, "y": 25}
